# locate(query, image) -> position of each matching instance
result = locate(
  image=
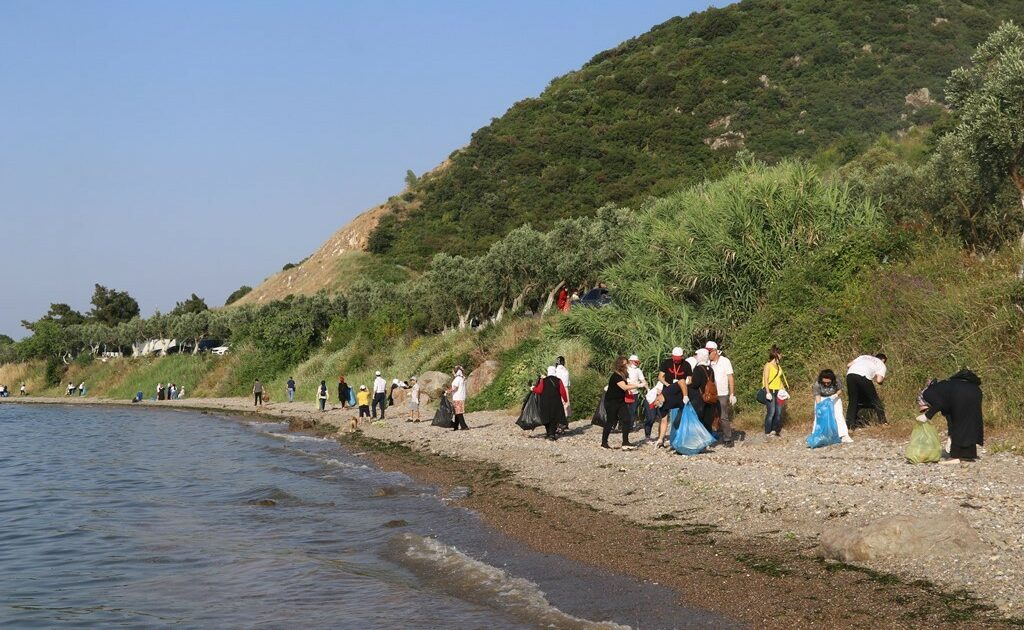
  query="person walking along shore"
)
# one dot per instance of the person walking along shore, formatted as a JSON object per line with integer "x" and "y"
{"x": 553, "y": 397}
{"x": 773, "y": 381}
{"x": 257, "y": 393}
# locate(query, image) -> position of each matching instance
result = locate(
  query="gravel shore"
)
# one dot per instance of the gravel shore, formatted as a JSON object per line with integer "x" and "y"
{"x": 764, "y": 489}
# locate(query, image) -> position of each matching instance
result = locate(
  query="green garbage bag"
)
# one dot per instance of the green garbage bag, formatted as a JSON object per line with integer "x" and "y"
{"x": 925, "y": 445}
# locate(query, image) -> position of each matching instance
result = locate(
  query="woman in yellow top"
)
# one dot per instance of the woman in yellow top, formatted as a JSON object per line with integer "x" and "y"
{"x": 363, "y": 400}
{"x": 773, "y": 379}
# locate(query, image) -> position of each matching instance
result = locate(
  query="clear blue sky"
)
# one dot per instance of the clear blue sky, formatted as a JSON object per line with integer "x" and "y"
{"x": 172, "y": 147}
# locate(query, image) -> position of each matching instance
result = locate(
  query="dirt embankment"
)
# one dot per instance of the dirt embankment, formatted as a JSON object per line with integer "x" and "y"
{"x": 320, "y": 270}
{"x": 733, "y": 531}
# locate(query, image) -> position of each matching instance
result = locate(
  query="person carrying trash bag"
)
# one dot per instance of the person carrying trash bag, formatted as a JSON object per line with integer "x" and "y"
{"x": 690, "y": 437}
{"x": 553, "y": 398}
{"x": 445, "y": 416}
{"x": 529, "y": 416}
{"x": 615, "y": 404}
{"x": 958, "y": 398}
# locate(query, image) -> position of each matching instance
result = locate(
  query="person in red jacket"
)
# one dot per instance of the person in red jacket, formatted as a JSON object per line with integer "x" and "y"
{"x": 563, "y": 300}
{"x": 552, "y": 402}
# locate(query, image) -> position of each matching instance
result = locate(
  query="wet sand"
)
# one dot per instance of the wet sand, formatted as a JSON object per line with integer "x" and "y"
{"x": 664, "y": 519}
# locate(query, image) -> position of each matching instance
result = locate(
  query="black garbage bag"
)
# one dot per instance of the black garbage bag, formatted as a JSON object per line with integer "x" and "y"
{"x": 600, "y": 416}
{"x": 529, "y": 417}
{"x": 445, "y": 416}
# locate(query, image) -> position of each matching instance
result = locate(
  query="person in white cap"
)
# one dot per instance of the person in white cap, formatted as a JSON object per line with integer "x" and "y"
{"x": 674, "y": 368}
{"x": 635, "y": 376}
{"x": 380, "y": 387}
{"x": 725, "y": 381}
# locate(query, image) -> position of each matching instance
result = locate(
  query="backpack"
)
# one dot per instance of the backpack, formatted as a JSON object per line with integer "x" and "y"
{"x": 710, "y": 393}
{"x": 323, "y": 391}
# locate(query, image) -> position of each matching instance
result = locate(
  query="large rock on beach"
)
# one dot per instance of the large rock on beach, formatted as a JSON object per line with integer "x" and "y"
{"x": 434, "y": 383}
{"x": 481, "y": 377}
{"x": 909, "y": 536}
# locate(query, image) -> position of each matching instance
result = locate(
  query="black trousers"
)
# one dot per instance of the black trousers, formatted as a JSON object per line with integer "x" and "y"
{"x": 551, "y": 428}
{"x": 460, "y": 422}
{"x": 378, "y": 399}
{"x": 862, "y": 395}
{"x": 617, "y": 416}
{"x": 257, "y": 398}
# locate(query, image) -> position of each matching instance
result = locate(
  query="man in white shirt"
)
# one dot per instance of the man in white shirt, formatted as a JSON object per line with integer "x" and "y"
{"x": 861, "y": 376}
{"x": 725, "y": 382}
{"x": 458, "y": 392}
{"x": 380, "y": 387}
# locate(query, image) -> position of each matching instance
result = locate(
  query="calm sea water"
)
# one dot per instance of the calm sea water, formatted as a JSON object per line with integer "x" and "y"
{"x": 145, "y": 518}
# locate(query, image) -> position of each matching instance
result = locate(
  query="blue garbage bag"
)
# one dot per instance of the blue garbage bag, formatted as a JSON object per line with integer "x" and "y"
{"x": 351, "y": 397}
{"x": 690, "y": 437}
{"x": 826, "y": 431}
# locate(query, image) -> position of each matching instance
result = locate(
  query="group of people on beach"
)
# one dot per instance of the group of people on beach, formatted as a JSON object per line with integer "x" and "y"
{"x": 72, "y": 390}
{"x": 170, "y": 392}
{"x": 383, "y": 395}
{"x": 5, "y": 392}
{"x": 706, "y": 382}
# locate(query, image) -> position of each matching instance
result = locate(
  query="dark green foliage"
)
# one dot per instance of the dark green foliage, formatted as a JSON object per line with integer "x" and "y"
{"x": 237, "y": 294}
{"x": 111, "y": 307}
{"x": 638, "y": 120}
{"x": 288, "y": 266}
{"x": 60, "y": 314}
{"x": 193, "y": 304}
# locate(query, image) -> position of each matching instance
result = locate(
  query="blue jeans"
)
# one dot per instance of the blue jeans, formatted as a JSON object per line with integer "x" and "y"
{"x": 649, "y": 419}
{"x": 773, "y": 413}
{"x": 291, "y": 395}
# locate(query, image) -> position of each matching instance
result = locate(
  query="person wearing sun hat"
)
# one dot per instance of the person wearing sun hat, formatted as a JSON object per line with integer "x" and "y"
{"x": 674, "y": 368}
{"x": 363, "y": 400}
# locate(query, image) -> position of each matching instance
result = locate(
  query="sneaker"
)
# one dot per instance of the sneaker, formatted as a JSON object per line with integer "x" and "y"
{"x": 949, "y": 461}
{"x": 846, "y": 439}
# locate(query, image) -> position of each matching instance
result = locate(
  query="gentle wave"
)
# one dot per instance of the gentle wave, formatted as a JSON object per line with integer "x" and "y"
{"x": 459, "y": 575}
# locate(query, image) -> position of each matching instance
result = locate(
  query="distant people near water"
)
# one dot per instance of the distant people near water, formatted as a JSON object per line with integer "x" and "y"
{"x": 257, "y": 393}
{"x": 958, "y": 398}
{"x": 773, "y": 381}
{"x": 725, "y": 383}
{"x": 380, "y": 393}
{"x": 71, "y": 390}
{"x": 291, "y": 389}
{"x": 81, "y": 388}
{"x": 138, "y": 397}
{"x": 553, "y": 397}
{"x": 181, "y": 393}
{"x": 414, "y": 400}
{"x": 395, "y": 384}
{"x": 363, "y": 400}
{"x": 828, "y": 387}
{"x": 172, "y": 392}
{"x": 159, "y": 391}
{"x": 458, "y": 392}
{"x": 321, "y": 395}
{"x": 24, "y": 392}
{"x": 862, "y": 374}
{"x": 344, "y": 391}
{"x": 3, "y": 392}
{"x": 617, "y": 413}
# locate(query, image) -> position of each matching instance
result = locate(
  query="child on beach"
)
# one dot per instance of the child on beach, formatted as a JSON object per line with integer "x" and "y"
{"x": 363, "y": 400}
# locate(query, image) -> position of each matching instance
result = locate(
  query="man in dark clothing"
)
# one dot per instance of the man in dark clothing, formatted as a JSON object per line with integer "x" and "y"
{"x": 674, "y": 368}
{"x": 959, "y": 400}
{"x": 343, "y": 392}
{"x": 862, "y": 374}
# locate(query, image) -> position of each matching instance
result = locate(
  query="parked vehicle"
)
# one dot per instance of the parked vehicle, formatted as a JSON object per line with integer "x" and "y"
{"x": 596, "y": 298}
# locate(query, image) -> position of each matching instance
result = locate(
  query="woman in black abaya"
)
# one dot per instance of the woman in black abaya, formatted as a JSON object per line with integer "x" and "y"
{"x": 552, "y": 402}
{"x": 958, "y": 399}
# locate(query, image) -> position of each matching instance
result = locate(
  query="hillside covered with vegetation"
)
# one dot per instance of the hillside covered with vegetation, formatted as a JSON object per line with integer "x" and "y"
{"x": 782, "y": 78}
{"x": 908, "y": 244}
